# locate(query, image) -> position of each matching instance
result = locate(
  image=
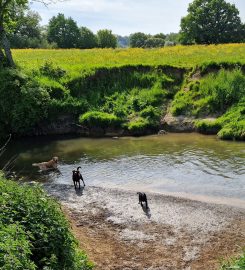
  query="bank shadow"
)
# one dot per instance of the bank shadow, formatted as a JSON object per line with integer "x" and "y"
{"x": 146, "y": 210}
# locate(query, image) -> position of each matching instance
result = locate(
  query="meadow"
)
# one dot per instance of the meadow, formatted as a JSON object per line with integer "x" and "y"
{"x": 75, "y": 60}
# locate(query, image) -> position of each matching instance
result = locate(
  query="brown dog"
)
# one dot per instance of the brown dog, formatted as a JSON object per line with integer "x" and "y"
{"x": 47, "y": 165}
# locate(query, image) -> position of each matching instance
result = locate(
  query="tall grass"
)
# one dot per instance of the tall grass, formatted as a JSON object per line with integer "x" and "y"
{"x": 74, "y": 61}
{"x": 215, "y": 93}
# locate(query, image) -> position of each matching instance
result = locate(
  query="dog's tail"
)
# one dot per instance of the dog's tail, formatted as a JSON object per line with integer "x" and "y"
{"x": 78, "y": 168}
{"x": 35, "y": 164}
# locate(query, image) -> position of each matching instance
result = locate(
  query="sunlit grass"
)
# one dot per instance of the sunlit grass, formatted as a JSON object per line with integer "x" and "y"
{"x": 75, "y": 60}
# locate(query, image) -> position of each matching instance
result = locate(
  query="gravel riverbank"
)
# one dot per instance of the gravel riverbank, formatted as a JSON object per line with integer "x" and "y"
{"x": 174, "y": 234}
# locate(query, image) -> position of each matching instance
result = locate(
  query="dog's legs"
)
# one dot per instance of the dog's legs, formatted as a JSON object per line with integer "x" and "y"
{"x": 75, "y": 186}
{"x": 83, "y": 182}
{"x": 79, "y": 184}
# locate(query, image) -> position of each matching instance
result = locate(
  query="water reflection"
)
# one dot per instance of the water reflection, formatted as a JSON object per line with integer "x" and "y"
{"x": 187, "y": 163}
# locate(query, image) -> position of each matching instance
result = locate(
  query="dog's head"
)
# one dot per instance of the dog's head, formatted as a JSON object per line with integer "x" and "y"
{"x": 55, "y": 159}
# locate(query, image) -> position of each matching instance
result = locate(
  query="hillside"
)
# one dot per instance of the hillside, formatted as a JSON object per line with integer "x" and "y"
{"x": 125, "y": 91}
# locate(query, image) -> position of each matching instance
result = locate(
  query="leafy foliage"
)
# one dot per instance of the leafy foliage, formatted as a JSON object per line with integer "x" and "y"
{"x": 22, "y": 101}
{"x": 63, "y": 31}
{"x": 211, "y": 22}
{"x": 34, "y": 232}
{"x": 88, "y": 39}
{"x": 137, "y": 40}
{"x": 106, "y": 39}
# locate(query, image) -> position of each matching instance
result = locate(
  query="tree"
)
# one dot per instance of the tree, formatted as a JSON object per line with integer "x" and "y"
{"x": 106, "y": 39}
{"x": 137, "y": 40}
{"x": 7, "y": 17}
{"x": 26, "y": 32}
{"x": 88, "y": 39}
{"x": 154, "y": 42}
{"x": 64, "y": 32}
{"x": 211, "y": 22}
{"x": 160, "y": 35}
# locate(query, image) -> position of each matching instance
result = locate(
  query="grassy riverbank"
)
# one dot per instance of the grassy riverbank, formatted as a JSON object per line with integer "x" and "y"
{"x": 125, "y": 90}
{"x": 34, "y": 232}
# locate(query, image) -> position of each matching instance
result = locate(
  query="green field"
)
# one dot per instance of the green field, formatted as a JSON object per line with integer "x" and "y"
{"x": 178, "y": 56}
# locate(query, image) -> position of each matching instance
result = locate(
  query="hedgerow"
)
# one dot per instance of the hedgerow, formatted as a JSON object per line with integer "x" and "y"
{"x": 34, "y": 232}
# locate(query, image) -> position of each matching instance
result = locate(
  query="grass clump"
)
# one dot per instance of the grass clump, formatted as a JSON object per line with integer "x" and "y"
{"x": 138, "y": 125}
{"x": 235, "y": 263}
{"x": 34, "y": 232}
{"x": 233, "y": 122}
{"x": 99, "y": 119}
{"x": 207, "y": 126}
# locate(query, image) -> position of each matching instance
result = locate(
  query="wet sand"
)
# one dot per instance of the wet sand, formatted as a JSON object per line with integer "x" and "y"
{"x": 174, "y": 234}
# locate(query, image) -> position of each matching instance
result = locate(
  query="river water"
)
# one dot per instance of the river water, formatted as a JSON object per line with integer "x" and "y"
{"x": 186, "y": 165}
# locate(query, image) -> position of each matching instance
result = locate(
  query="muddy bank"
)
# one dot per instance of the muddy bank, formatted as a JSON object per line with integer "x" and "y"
{"x": 174, "y": 233}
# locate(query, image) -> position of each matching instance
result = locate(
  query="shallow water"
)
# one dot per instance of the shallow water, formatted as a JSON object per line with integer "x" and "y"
{"x": 191, "y": 165}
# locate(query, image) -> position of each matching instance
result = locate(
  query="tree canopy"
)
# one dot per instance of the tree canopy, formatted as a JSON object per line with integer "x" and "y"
{"x": 88, "y": 39}
{"x": 26, "y": 32}
{"x": 106, "y": 39}
{"x": 211, "y": 22}
{"x": 63, "y": 31}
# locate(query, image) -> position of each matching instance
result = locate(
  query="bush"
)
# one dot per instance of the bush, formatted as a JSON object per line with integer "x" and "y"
{"x": 23, "y": 103}
{"x": 15, "y": 248}
{"x": 54, "y": 88}
{"x": 48, "y": 69}
{"x": 100, "y": 119}
{"x": 34, "y": 232}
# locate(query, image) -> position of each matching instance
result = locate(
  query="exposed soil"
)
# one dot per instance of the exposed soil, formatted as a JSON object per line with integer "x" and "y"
{"x": 174, "y": 234}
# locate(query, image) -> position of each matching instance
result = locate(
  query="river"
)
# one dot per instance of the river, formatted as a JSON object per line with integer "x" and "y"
{"x": 187, "y": 165}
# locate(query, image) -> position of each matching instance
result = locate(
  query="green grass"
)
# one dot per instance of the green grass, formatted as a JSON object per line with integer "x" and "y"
{"x": 74, "y": 61}
{"x": 237, "y": 263}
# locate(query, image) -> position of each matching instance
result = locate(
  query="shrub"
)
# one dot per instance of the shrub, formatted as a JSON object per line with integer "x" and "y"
{"x": 15, "y": 248}
{"x": 48, "y": 69}
{"x": 99, "y": 119}
{"x": 35, "y": 233}
{"x": 23, "y": 103}
{"x": 54, "y": 88}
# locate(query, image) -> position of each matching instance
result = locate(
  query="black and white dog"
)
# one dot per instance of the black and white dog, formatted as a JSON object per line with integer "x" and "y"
{"x": 76, "y": 177}
{"x": 142, "y": 198}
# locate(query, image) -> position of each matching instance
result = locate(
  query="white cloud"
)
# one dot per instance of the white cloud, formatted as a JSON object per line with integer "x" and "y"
{"x": 125, "y": 16}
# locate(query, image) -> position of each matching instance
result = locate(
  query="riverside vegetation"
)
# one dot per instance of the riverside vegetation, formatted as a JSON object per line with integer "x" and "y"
{"x": 34, "y": 232}
{"x": 128, "y": 90}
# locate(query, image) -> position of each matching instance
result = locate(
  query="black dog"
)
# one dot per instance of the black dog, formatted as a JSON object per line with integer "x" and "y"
{"x": 76, "y": 177}
{"x": 143, "y": 198}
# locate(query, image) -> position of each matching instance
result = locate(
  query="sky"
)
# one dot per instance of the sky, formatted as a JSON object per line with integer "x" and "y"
{"x": 125, "y": 17}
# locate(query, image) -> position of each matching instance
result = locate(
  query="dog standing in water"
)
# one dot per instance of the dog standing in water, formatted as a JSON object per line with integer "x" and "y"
{"x": 76, "y": 177}
{"x": 143, "y": 198}
{"x": 47, "y": 165}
